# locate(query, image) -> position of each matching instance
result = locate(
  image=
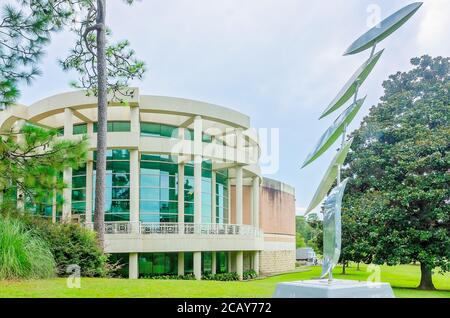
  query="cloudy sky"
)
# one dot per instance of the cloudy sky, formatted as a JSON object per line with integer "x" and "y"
{"x": 278, "y": 61}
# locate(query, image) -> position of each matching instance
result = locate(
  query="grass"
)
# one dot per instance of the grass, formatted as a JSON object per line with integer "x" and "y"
{"x": 22, "y": 253}
{"x": 403, "y": 279}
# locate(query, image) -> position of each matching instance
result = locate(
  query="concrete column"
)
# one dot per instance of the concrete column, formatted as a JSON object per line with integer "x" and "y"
{"x": 198, "y": 158}
{"x": 133, "y": 271}
{"x": 198, "y": 265}
{"x": 67, "y": 174}
{"x": 229, "y": 199}
{"x": 89, "y": 179}
{"x": 240, "y": 146}
{"x": 134, "y": 190}
{"x": 255, "y": 261}
{"x": 16, "y": 128}
{"x": 213, "y": 198}
{"x": 54, "y": 206}
{"x": 181, "y": 193}
{"x": 89, "y": 189}
{"x": 255, "y": 202}
{"x": 181, "y": 264}
{"x": 135, "y": 120}
{"x": 230, "y": 262}
{"x": 181, "y": 182}
{"x": 240, "y": 264}
{"x": 239, "y": 195}
{"x": 134, "y": 172}
{"x": 214, "y": 263}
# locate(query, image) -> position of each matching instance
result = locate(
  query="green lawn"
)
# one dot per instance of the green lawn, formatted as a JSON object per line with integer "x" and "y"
{"x": 402, "y": 278}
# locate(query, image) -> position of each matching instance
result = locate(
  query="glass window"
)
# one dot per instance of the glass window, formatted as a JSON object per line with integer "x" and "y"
{"x": 117, "y": 185}
{"x": 188, "y": 263}
{"x": 206, "y": 262}
{"x": 153, "y": 264}
{"x": 115, "y": 126}
{"x": 221, "y": 262}
{"x": 79, "y": 129}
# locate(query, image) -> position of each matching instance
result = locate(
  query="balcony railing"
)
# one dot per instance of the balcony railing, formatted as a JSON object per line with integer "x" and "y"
{"x": 179, "y": 229}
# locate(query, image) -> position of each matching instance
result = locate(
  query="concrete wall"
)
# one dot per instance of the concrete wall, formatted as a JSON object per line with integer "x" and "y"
{"x": 277, "y": 208}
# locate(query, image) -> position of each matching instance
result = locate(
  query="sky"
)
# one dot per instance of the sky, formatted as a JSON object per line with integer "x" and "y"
{"x": 278, "y": 61}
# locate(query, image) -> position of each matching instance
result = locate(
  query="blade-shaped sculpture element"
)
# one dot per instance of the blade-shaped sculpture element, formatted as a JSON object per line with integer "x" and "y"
{"x": 384, "y": 29}
{"x": 333, "y": 133}
{"x": 330, "y": 176}
{"x": 352, "y": 85}
{"x": 332, "y": 228}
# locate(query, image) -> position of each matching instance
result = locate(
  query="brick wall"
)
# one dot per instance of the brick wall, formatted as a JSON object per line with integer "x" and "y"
{"x": 272, "y": 262}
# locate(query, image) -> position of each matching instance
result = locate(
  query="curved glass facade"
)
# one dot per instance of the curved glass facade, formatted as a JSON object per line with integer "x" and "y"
{"x": 158, "y": 189}
{"x": 117, "y": 194}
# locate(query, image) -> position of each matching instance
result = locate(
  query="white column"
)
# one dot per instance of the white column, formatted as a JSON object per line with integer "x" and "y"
{"x": 239, "y": 195}
{"x": 214, "y": 263}
{"x": 213, "y": 197}
{"x": 255, "y": 201}
{"x": 230, "y": 262}
{"x": 133, "y": 270}
{"x": 240, "y": 264}
{"x": 181, "y": 193}
{"x": 89, "y": 179}
{"x": 229, "y": 199}
{"x": 67, "y": 175}
{"x": 255, "y": 261}
{"x": 198, "y": 130}
{"x": 135, "y": 120}
{"x": 198, "y": 265}
{"x": 240, "y": 146}
{"x": 18, "y": 125}
{"x": 181, "y": 264}
{"x": 54, "y": 206}
{"x": 181, "y": 183}
{"x": 134, "y": 190}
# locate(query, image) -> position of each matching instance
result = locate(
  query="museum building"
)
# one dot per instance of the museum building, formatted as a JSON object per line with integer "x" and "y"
{"x": 184, "y": 191}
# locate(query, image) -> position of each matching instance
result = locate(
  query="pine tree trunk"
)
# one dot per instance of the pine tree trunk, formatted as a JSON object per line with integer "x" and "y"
{"x": 99, "y": 213}
{"x": 343, "y": 267}
{"x": 357, "y": 267}
{"x": 426, "y": 278}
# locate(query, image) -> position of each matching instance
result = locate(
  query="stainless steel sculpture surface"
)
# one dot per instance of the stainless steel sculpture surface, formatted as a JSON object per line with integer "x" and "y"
{"x": 334, "y": 131}
{"x": 384, "y": 29}
{"x": 330, "y": 176}
{"x": 332, "y": 229}
{"x": 353, "y": 84}
{"x": 332, "y": 205}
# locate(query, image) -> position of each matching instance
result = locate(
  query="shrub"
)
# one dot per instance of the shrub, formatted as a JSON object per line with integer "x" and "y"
{"x": 23, "y": 253}
{"x": 224, "y": 277}
{"x": 72, "y": 244}
{"x": 249, "y": 274}
{"x": 169, "y": 277}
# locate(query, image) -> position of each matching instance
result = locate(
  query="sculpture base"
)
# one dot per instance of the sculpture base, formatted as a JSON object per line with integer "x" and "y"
{"x": 337, "y": 288}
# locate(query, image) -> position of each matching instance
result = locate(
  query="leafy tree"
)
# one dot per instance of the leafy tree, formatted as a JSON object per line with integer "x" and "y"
{"x": 31, "y": 161}
{"x": 400, "y": 169}
{"x": 306, "y": 232}
{"x": 25, "y": 29}
{"x": 104, "y": 68}
{"x": 299, "y": 241}
{"x": 357, "y": 233}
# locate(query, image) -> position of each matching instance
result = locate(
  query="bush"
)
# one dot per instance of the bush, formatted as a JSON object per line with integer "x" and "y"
{"x": 225, "y": 277}
{"x": 250, "y": 274}
{"x": 23, "y": 253}
{"x": 72, "y": 244}
{"x": 169, "y": 277}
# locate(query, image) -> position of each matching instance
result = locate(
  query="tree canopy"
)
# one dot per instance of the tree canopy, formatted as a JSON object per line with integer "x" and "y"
{"x": 399, "y": 194}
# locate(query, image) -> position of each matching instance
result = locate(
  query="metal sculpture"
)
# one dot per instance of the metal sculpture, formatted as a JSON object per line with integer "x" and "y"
{"x": 332, "y": 205}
